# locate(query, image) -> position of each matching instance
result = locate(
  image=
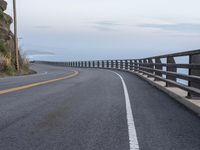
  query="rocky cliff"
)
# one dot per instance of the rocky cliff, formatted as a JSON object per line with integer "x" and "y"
{"x": 7, "y": 55}
{"x": 6, "y": 39}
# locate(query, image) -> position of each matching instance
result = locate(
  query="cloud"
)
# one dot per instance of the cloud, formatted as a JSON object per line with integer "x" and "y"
{"x": 106, "y": 25}
{"x": 189, "y": 28}
{"x": 103, "y": 28}
{"x": 38, "y": 52}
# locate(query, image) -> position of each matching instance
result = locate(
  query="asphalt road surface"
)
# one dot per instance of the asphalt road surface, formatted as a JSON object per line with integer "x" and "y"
{"x": 93, "y": 110}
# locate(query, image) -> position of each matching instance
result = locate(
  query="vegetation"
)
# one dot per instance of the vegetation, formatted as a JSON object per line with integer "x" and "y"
{"x": 4, "y": 50}
{"x": 24, "y": 64}
{"x": 8, "y": 62}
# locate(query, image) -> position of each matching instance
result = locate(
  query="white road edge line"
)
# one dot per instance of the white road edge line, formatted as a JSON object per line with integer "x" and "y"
{"x": 133, "y": 141}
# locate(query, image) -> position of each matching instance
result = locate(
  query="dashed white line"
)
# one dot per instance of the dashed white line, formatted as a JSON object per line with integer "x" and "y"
{"x": 133, "y": 141}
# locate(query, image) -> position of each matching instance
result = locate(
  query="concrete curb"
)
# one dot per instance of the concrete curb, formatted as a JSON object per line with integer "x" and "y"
{"x": 191, "y": 104}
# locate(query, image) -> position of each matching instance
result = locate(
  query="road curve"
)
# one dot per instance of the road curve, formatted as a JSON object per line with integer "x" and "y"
{"x": 90, "y": 112}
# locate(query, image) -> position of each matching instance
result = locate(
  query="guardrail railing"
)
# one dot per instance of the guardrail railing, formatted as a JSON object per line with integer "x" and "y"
{"x": 162, "y": 68}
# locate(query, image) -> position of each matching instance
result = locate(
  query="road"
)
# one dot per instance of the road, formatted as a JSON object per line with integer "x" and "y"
{"x": 91, "y": 111}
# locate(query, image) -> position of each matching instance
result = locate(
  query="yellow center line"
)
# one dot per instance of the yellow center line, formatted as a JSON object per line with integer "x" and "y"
{"x": 75, "y": 73}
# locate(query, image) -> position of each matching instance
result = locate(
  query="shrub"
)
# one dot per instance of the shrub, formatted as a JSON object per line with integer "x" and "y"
{"x": 1, "y": 15}
{"x": 9, "y": 70}
{"x": 4, "y": 50}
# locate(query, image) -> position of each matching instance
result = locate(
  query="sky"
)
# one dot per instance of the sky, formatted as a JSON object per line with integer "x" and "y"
{"x": 68, "y": 30}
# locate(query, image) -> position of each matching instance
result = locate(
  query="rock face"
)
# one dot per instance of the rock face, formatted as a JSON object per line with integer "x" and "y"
{"x": 6, "y": 38}
{"x": 3, "y": 5}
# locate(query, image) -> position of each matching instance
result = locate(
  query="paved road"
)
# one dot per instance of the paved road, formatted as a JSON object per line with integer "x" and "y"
{"x": 89, "y": 112}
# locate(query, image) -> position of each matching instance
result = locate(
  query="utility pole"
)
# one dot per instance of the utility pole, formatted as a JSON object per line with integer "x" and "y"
{"x": 15, "y": 36}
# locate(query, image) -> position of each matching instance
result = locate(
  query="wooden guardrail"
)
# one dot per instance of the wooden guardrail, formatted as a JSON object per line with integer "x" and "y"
{"x": 166, "y": 71}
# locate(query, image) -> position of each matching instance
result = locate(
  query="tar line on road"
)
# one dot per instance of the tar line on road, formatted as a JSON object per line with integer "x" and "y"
{"x": 73, "y": 74}
{"x": 133, "y": 141}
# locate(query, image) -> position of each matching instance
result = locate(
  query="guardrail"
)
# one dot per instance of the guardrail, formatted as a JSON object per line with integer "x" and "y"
{"x": 161, "y": 68}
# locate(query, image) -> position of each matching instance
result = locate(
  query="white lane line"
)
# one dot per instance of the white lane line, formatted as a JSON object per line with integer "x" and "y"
{"x": 133, "y": 141}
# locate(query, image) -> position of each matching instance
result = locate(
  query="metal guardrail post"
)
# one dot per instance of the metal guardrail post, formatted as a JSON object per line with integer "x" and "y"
{"x": 126, "y": 64}
{"x": 107, "y": 63}
{"x": 171, "y": 60}
{"x": 131, "y": 65}
{"x": 93, "y": 64}
{"x": 102, "y": 64}
{"x": 112, "y": 64}
{"x": 145, "y": 65}
{"x": 157, "y": 60}
{"x": 89, "y": 64}
{"x": 136, "y": 66}
{"x": 194, "y": 59}
{"x": 150, "y": 65}
{"x": 98, "y": 64}
{"x": 116, "y": 64}
{"x": 140, "y": 65}
{"x": 121, "y": 64}
{"x": 79, "y": 64}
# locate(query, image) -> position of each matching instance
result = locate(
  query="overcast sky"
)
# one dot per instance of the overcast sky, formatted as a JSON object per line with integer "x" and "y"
{"x": 106, "y": 29}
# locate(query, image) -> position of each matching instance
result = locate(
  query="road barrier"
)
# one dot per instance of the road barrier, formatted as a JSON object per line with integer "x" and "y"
{"x": 161, "y": 68}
